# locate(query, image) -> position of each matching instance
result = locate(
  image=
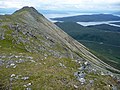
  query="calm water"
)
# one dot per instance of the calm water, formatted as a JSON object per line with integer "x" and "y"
{"x": 97, "y": 23}
{"x": 81, "y": 23}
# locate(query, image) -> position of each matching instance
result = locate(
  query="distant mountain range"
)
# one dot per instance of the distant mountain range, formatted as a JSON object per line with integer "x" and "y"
{"x": 89, "y": 18}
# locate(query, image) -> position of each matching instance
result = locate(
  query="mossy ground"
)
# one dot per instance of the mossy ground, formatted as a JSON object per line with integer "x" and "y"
{"x": 47, "y": 74}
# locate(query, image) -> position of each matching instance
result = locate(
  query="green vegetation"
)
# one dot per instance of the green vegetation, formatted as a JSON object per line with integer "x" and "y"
{"x": 109, "y": 54}
{"x": 102, "y": 39}
{"x": 43, "y": 74}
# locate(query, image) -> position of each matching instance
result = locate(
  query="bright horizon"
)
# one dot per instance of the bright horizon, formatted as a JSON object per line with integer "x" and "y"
{"x": 59, "y": 5}
{"x": 62, "y": 6}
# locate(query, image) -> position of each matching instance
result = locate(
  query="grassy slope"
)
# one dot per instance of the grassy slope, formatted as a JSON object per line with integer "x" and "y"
{"x": 44, "y": 73}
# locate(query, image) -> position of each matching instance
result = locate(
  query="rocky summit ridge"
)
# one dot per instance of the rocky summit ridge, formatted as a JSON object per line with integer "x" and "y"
{"x": 36, "y": 54}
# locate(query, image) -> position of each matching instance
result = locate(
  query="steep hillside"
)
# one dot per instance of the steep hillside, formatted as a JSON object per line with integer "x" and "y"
{"x": 103, "y": 39}
{"x": 36, "y": 54}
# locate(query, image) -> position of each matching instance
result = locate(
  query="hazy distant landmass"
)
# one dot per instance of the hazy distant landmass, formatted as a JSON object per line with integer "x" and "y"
{"x": 7, "y": 10}
{"x": 117, "y": 13}
{"x": 89, "y": 18}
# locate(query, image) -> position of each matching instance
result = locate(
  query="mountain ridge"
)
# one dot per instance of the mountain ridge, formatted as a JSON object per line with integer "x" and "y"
{"x": 96, "y": 37}
{"x": 30, "y": 36}
{"x": 53, "y": 30}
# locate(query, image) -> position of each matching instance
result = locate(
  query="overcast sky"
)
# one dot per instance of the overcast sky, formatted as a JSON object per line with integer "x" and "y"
{"x": 98, "y": 5}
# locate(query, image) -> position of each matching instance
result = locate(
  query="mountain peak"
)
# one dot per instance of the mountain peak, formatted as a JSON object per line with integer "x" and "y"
{"x": 27, "y": 8}
{"x": 31, "y": 10}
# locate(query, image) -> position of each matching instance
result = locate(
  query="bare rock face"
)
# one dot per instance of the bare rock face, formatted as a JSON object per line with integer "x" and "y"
{"x": 42, "y": 56}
